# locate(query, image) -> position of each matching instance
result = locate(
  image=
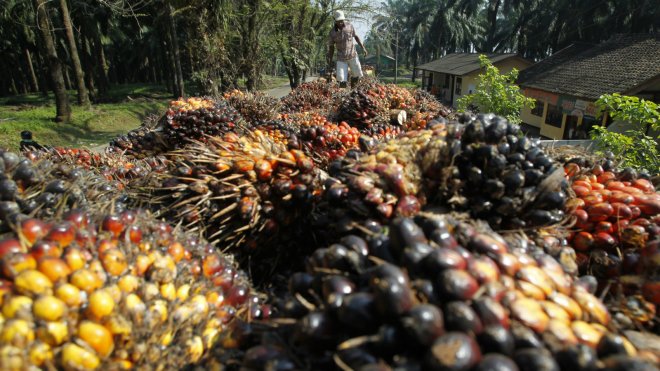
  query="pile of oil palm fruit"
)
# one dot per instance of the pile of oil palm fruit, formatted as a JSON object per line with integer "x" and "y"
{"x": 315, "y": 232}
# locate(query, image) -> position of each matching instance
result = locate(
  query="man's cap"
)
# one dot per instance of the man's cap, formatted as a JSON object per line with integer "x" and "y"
{"x": 339, "y": 16}
{"x": 26, "y": 134}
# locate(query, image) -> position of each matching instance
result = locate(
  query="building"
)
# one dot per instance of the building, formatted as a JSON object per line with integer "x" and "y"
{"x": 456, "y": 75}
{"x": 566, "y": 84}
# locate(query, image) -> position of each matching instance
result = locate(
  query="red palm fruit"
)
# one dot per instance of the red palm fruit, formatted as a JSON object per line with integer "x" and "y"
{"x": 604, "y": 226}
{"x": 63, "y": 233}
{"x": 34, "y": 229}
{"x": 604, "y": 241}
{"x": 600, "y": 211}
{"x": 134, "y": 234}
{"x": 621, "y": 211}
{"x": 643, "y": 184}
{"x": 583, "y": 241}
{"x": 622, "y": 197}
{"x": 581, "y": 216}
{"x": 10, "y": 246}
{"x": 79, "y": 218}
{"x": 605, "y": 177}
{"x": 651, "y": 291}
{"x": 113, "y": 224}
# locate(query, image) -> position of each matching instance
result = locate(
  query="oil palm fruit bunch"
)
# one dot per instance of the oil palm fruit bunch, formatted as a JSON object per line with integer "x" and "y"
{"x": 253, "y": 107}
{"x": 365, "y": 109}
{"x": 379, "y": 184}
{"x": 142, "y": 142}
{"x": 312, "y": 96}
{"x": 185, "y": 120}
{"x": 114, "y": 291}
{"x": 427, "y": 103}
{"x": 279, "y": 130}
{"x": 616, "y": 234}
{"x": 197, "y": 118}
{"x": 432, "y": 293}
{"x": 44, "y": 188}
{"x": 497, "y": 175}
{"x": 319, "y": 138}
{"x": 111, "y": 165}
{"x": 243, "y": 192}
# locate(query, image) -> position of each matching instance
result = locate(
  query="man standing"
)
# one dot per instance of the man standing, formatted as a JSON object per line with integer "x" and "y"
{"x": 341, "y": 38}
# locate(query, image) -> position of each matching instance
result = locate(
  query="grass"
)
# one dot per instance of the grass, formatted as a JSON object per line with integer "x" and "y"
{"x": 124, "y": 109}
{"x": 405, "y": 82}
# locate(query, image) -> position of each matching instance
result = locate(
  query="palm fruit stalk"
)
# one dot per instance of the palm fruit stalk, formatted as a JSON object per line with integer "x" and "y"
{"x": 185, "y": 120}
{"x": 243, "y": 193}
{"x": 115, "y": 291}
{"x": 44, "y": 188}
{"x": 253, "y": 107}
{"x": 616, "y": 234}
{"x": 433, "y": 293}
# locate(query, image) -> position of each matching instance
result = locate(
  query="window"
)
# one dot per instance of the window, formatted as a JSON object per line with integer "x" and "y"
{"x": 538, "y": 109}
{"x": 446, "y": 85}
{"x": 459, "y": 82}
{"x": 554, "y": 116}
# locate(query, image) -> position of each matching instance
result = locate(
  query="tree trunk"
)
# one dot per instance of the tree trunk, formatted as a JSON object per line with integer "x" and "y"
{"x": 54, "y": 65}
{"x": 67, "y": 78}
{"x": 176, "y": 55}
{"x": 42, "y": 67}
{"x": 101, "y": 65}
{"x": 83, "y": 95}
{"x": 89, "y": 66}
{"x": 30, "y": 66}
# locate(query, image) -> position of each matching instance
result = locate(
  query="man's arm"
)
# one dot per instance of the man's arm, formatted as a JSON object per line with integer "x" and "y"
{"x": 359, "y": 42}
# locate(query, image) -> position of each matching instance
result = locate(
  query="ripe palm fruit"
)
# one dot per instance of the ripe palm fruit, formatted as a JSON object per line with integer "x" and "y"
{"x": 616, "y": 233}
{"x": 244, "y": 191}
{"x": 152, "y": 313}
{"x": 319, "y": 138}
{"x": 254, "y": 107}
{"x": 411, "y": 295}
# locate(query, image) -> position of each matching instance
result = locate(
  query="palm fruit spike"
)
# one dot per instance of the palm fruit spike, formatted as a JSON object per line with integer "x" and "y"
{"x": 115, "y": 291}
{"x": 254, "y": 107}
{"x": 242, "y": 192}
{"x": 185, "y": 120}
{"x": 431, "y": 292}
{"x": 43, "y": 188}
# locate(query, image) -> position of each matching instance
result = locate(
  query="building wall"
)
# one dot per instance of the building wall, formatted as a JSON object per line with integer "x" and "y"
{"x": 470, "y": 81}
{"x": 532, "y": 119}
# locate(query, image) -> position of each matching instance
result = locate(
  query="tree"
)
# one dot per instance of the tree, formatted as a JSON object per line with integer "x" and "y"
{"x": 496, "y": 93}
{"x": 634, "y": 148}
{"x": 63, "y": 108}
{"x": 83, "y": 95}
